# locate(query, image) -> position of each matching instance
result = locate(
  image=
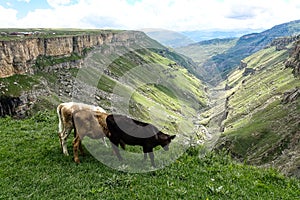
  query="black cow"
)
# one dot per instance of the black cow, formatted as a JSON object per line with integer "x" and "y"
{"x": 124, "y": 130}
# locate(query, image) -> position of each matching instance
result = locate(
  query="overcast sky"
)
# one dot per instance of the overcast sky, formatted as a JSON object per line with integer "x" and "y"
{"x": 177, "y": 15}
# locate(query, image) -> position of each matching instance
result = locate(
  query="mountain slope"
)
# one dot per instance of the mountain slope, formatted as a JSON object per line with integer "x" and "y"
{"x": 203, "y": 35}
{"x": 219, "y": 63}
{"x": 132, "y": 75}
{"x": 251, "y": 43}
{"x": 169, "y": 38}
{"x": 261, "y": 123}
{"x": 201, "y": 52}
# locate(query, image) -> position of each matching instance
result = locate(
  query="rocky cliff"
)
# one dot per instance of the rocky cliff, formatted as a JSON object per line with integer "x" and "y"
{"x": 52, "y": 55}
{"x": 294, "y": 60}
{"x": 19, "y": 56}
{"x": 281, "y": 43}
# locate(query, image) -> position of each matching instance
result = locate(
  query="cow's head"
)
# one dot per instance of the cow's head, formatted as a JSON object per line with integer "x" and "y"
{"x": 164, "y": 140}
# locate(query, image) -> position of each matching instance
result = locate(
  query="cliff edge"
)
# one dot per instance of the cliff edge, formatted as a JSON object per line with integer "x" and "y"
{"x": 18, "y": 56}
{"x": 294, "y": 60}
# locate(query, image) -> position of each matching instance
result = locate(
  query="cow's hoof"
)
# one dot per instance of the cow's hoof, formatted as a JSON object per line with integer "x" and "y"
{"x": 66, "y": 153}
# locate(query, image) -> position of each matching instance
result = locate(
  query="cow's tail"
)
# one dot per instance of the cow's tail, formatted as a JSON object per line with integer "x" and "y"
{"x": 60, "y": 124}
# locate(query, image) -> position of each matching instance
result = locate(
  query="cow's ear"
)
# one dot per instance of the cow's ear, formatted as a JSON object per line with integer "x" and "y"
{"x": 172, "y": 137}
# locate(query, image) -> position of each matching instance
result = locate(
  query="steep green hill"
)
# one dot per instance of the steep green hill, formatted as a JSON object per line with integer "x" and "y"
{"x": 261, "y": 123}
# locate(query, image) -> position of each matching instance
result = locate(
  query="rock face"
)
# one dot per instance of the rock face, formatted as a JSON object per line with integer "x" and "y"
{"x": 18, "y": 56}
{"x": 281, "y": 43}
{"x": 294, "y": 60}
{"x": 291, "y": 95}
{"x": 248, "y": 71}
{"x": 243, "y": 65}
{"x": 9, "y": 105}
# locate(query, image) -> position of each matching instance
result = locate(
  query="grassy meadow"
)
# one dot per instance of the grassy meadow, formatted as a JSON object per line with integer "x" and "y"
{"x": 33, "y": 167}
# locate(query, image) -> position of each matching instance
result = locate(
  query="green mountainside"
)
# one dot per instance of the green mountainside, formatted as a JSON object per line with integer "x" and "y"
{"x": 252, "y": 109}
{"x": 226, "y": 59}
{"x": 140, "y": 78}
{"x": 203, "y": 51}
{"x": 261, "y": 119}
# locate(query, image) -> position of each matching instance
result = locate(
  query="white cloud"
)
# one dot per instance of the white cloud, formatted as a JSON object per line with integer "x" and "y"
{"x": 56, "y": 3}
{"x": 168, "y": 14}
{"x": 26, "y": 1}
{"x": 8, "y": 17}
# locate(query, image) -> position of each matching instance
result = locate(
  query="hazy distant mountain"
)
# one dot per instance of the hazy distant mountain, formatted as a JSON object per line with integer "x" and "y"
{"x": 251, "y": 43}
{"x": 224, "y": 62}
{"x": 201, "y": 52}
{"x": 202, "y": 35}
{"x": 168, "y": 38}
{"x": 179, "y": 39}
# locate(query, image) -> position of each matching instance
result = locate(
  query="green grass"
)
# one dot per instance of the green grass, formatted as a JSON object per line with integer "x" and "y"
{"x": 32, "y": 167}
{"x": 43, "y": 61}
{"x": 16, "y": 84}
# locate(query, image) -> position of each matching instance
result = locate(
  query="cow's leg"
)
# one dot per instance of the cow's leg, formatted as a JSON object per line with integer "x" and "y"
{"x": 145, "y": 156}
{"x": 145, "y": 153}
{"x": 81, "y": 148}
{"x": 80, "y": 143}
{"x": 63, "y": 139}
{"x": 104, "y": 141}
{"x": 151, "y": 155}
{"x": 122, "y": 144}
{"x": 60, "y": 140}
{"x": 116, "y": 150}
{"x": 76, "y": 146}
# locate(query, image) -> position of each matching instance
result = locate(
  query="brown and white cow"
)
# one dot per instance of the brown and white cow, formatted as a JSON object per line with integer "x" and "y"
{"x": 65, "y": 113}
{"x": 88, "y": 123}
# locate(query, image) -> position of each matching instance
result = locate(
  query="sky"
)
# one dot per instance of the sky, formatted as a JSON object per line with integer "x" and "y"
{"x": 176, "y": 15}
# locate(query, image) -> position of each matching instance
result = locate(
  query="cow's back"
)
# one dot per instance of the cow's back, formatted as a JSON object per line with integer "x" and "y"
{"x": 129, "y": 130}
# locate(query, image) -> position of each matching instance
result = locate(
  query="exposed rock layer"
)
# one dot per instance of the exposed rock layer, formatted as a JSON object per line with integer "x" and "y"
{"x": 294, "y": 60}
{"x": 19, "y": 56}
